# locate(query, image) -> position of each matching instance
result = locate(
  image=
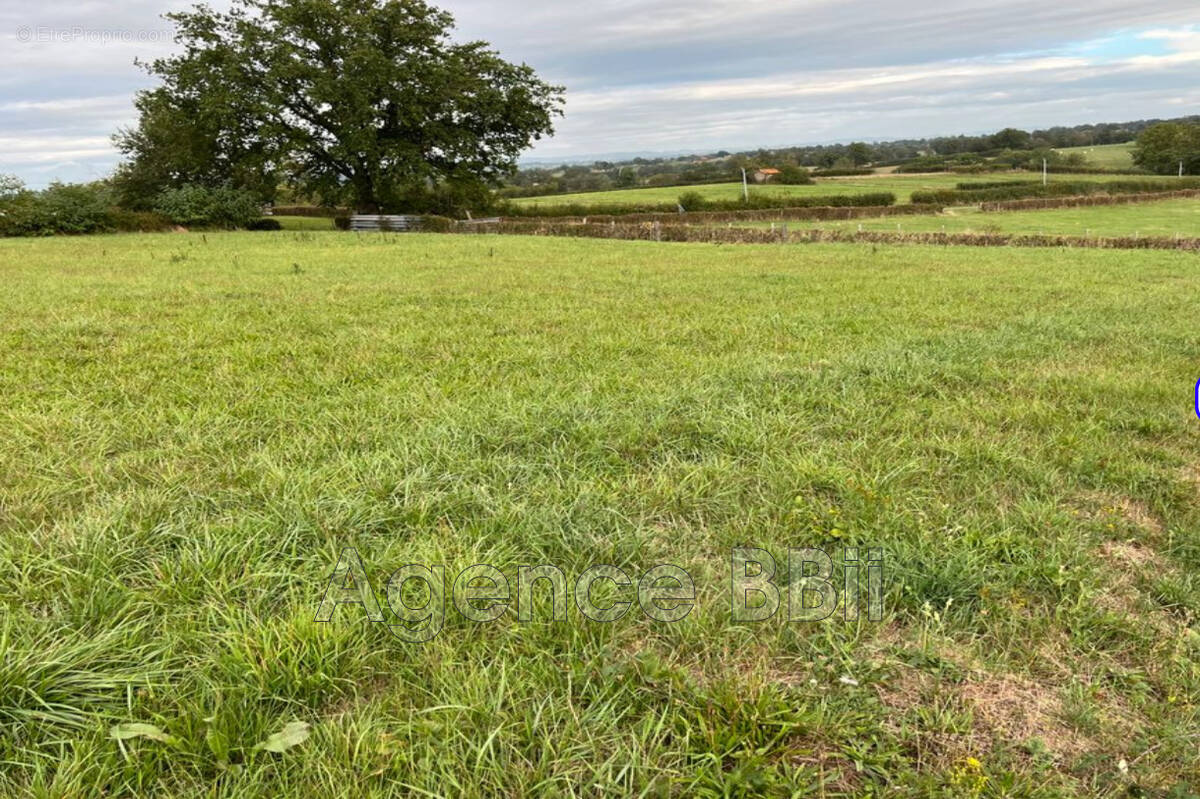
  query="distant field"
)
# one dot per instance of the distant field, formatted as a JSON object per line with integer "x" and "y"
{"x": 1166, "y": 218}
{"x": 304, "y": 222}
{"x": 901, "y": 185}
{"x": 195, "y": 426}
{"x": 1109, "y": 156}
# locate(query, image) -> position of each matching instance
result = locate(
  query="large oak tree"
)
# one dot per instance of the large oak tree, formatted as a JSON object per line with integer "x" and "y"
{"x": 366, "y": 102}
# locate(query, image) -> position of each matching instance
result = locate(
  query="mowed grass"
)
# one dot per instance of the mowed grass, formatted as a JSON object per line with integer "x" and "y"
{"x": 195, "y": 426}
{"x": 901, "y": 185}
{"x": 1168, "y": 218}
{"x": 1108, "y": 156}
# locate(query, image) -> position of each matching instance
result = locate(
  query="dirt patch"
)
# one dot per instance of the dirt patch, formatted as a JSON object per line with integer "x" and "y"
{"x": 1127, "y": 563}
{"x": 837, "y": 772}
{"x": 1108, "y": 508}
{"x": 1017, "y": 710}
{"x": 1191, "y": 474}
{"x": 1137, "y": 513}
{"x": 910, "y": 688}
{"x": 1122, "y": 554}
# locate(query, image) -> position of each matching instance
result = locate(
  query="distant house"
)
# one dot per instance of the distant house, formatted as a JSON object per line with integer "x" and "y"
{"x": 765, "y": 175}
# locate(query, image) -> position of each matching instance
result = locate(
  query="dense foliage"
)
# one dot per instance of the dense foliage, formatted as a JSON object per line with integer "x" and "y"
{"x": 221, "y": 207}
{"x": 1165, "y": 149}
{"x": 72, "y": 209}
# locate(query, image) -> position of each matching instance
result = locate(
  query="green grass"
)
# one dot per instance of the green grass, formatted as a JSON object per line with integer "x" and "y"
{"x": 195, "y": 425}
{"x": 901, "y": 185}
{"x": 1166, "y": 218}
{"x": 1108, "y": 156}
{"x": 305, "y": 222}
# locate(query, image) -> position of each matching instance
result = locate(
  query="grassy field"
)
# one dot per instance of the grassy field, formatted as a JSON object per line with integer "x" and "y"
{"x": 1109, "y": 156}
{"x": 295, "y": 223}
{"x": 1167, "y": 218}
{"x": 196, "y": 425}
{"x": 901, "y": 185}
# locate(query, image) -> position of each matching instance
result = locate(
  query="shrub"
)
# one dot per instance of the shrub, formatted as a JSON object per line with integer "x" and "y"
{"x": 19, "y": 214}
{"x": 692, "y": 201}
{"x": 341, "y": 222}
{"x": 124, "y": 221}
{"x": 436, "y": 224}
{"x": 201, "y": 206}
{"x": 794, "y": 176}
{"x": 264, "y": 224}
{"x": 74, "y": 208}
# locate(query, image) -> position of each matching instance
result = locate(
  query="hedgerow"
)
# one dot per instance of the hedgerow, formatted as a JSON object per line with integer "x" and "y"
{"x": 756, "y": 202}
{"x": 820, "y": 213}
{"x": 658, "y": 232}
{"x": 842, "y": 173}
{"x": 69, "y": 209}
{"x": 980, "y": 185}
{"x": 1077, "y": 202}
{"x": 1023, "y": 190}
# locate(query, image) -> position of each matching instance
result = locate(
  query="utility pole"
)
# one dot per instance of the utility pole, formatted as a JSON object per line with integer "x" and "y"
{"x": 1045, "y": 172}
{"x": 745, "y": 187}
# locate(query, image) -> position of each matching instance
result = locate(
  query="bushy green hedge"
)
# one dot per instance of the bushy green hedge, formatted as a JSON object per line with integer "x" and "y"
{"x": 793, "y": 175}
{"x": 1092, "y": 170}
{"x": 1025, "y": 190}
{"x": 699, "y": 203}
{"x": 71, "y": 209}
{"x": 201, "y": 206}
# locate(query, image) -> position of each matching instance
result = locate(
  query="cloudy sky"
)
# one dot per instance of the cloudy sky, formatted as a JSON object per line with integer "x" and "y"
{"x": 670, "y": 75}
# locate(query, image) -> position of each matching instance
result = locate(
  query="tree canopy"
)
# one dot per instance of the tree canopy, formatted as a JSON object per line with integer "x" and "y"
{"x": 1162, "y": 148}
{"x": 361, "y": 102}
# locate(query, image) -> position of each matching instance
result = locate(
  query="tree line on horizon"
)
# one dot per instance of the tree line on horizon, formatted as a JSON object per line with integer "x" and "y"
{"x": 1008, "y": 148}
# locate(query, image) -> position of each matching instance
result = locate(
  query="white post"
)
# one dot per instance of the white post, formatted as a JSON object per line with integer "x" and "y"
{"x": 745, "y": 187}
{"x": 1045, "y": 172}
